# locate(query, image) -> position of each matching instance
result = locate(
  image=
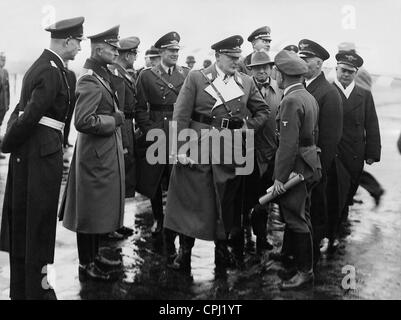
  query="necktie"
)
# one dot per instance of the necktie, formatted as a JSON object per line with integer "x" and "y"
{"x": 169, "y": 71}
{"x": 226, "y": 77}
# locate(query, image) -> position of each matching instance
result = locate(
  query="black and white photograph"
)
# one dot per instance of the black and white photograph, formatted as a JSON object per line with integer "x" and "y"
{"x": 214, "y": 151}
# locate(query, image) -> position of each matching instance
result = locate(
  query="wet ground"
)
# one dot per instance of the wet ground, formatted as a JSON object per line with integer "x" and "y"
{"x": 370, "y": 246}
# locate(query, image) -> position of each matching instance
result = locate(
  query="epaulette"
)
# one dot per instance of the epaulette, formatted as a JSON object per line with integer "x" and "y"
{"x": 89, "y": 72}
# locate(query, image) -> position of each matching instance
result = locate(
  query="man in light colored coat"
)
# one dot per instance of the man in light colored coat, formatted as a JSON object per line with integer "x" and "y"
{"x": 93, "y": 201}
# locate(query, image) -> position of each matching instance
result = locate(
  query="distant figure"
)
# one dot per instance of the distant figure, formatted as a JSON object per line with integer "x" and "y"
{"x": 190, "y": 62}
{"x": 207, "y": 63}
{"x": 260, "y": 39}
{"x": 152, "y": 57}
{"x": 4, "y": 92}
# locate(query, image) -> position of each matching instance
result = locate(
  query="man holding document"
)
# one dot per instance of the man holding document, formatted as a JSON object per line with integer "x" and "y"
{"x": 213, "y": 103}
{"x": 297, "y": 123}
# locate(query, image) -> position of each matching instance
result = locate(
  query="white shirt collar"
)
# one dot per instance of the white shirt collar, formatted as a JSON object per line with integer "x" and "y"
{"x": 348, "y": 90}
{"x": 291, "y": 86}
{"x": 62, "y": 61}
{"x": 221, "y": 74}
{"x": 165, "y": 67}
{"x": 308, "y": 82}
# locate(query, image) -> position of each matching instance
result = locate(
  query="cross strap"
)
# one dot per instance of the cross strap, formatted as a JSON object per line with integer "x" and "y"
{"x": 168, "y": 84}
{"x": 218, "y": 93}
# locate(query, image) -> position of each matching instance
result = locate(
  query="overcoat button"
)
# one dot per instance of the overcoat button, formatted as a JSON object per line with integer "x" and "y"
{"x": 18, "y": 160}
{"x": 165, "y": 118}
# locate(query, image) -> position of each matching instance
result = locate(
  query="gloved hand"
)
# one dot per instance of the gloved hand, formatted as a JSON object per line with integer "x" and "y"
{"x": 119, "y": 117}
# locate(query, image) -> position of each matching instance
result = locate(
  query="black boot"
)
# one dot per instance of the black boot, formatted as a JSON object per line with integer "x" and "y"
{"x": 183, "y": 260}
{"x": 170, "y": 251}
{"x": 304, "y": 262}
{"x": 222, "y": 257}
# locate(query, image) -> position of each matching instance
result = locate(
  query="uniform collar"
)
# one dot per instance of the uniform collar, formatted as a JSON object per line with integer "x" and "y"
{"x": 165, "y": 68}
{"x": 286, "y": 90}
{"x": 97, "y": 68}
{"x": 308, "y": 82}
{"x": 58, "y": 56}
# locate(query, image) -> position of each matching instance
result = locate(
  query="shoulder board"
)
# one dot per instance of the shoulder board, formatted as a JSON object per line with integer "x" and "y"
{"x": 116, "y": 72}
{"x": 88, "y": 72}
{"x": 53, "y": 64}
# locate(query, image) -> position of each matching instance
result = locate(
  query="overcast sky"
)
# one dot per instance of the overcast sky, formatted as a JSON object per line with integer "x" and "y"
{"x": 373, "y": 25}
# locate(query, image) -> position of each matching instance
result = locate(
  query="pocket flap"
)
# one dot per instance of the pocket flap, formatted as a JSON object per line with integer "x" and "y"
{"x": 49, "y": 147}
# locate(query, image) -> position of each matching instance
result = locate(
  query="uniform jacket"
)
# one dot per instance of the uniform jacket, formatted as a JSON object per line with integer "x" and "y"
{"x": 330, "y": 118}
{"x": 361, "y": 133}
{"x": 330, "y": 132}
{"x": 153, "y": 92}
{"x": 36, "y": 163}
{"x": 93, "y": 200}
{"x": 266, "y": 139}
{"x": 201, "y": 195}
{"x": 297, "y": 122}
{"x": 127, "y": 130}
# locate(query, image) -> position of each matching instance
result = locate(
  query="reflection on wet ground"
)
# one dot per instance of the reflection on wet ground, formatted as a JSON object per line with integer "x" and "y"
{"x": 371, "y": 244}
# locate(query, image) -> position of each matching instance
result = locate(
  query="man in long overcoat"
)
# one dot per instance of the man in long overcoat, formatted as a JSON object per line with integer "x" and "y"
{"x": 324, "y": 194}
{"x": 158, "y": 88}
{"x": 34, "y": 138}
{"x": 360, "y": 141}
{"x": 200, "y": 200}
{"x": 93, "y": 201}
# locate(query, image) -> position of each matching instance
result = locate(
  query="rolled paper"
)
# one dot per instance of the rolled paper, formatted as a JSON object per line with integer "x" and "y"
{"x": 292, "y": 182}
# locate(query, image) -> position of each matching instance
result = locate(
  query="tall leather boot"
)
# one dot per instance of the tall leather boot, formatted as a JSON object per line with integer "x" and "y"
{"x": 258, "y": 219}
{"x": 304, "y": 261}
{"x": 183, "y": 260}
{"x": 222, "y": 257}
{"x": 170, "y": 251}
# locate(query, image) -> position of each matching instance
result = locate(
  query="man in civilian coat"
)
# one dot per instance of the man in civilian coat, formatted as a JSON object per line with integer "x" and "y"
{"x": 158, "y": 88}
{"x": 34, "y": 138}
{"x": 261, "y": 179}
{"x": 330, "y": 132}
{"x": 360, "y": 141}
{"x": 297, "y": 123}
{"x": 93, "y": 201}
{"x": 201, "y": 196}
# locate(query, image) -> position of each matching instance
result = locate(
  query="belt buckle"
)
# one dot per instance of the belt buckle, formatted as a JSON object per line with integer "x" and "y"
{"x": 224, "y": 123}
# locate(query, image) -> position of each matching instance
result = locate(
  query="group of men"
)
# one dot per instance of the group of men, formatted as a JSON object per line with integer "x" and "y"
{"x": 301, "y": 124}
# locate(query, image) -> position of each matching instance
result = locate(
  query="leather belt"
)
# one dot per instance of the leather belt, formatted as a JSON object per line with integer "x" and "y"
{"x": 219, "y": 122}
{"x": 162, "y": 107}
{"x": 49, "y": 122}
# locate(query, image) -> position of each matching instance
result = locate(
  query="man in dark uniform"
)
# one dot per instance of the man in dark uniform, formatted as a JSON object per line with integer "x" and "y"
{"x": 34, "y": 139}
{"x": 324, "y": 195}
{"x": 260, "y": 39}
{"x": 297, "y": 123}
{"x": 361, "y": 134}
{"x": 260, "y": 180}
{"x": 4, "y": 92}
{"x": 158, "y": 88}
{"x": 201, "y": 197}
{"x": 127, "y": 53}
